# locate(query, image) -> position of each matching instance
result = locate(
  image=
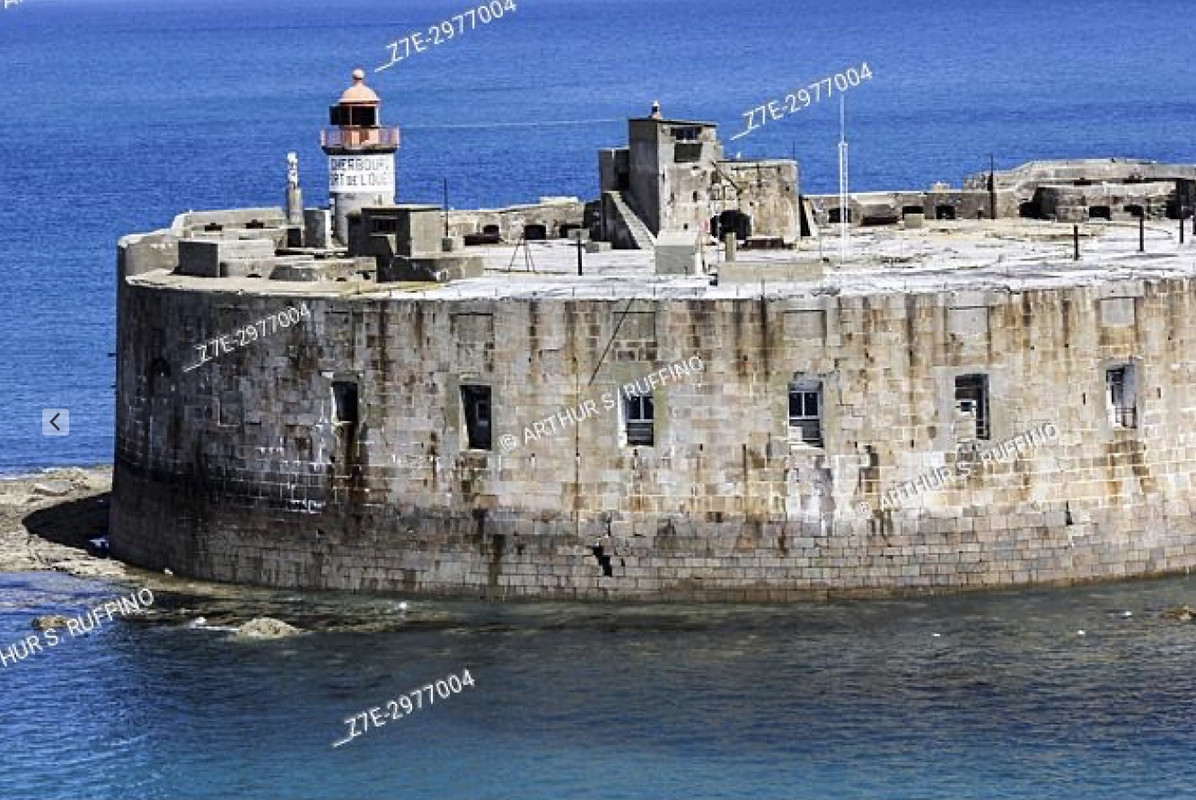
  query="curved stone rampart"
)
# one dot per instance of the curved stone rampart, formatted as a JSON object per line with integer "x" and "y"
{"x": 245, "y": 469}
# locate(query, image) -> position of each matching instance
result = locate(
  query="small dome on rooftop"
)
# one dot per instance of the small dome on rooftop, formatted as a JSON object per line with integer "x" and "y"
{"x": 359, "y": 93}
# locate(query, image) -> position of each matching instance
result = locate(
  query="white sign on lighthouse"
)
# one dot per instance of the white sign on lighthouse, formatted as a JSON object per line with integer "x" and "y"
{"x": 361, "y": 174}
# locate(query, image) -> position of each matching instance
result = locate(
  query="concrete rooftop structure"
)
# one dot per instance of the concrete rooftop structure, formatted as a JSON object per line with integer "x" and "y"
{"x": 965, "y": 255}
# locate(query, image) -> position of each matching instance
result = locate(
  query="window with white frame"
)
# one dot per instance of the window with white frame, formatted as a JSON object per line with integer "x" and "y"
{"x": 1121, "y": 389}
{"x": 971, "y": 407}
{"x": 639, "y": 419}
{"x": 805, "y": 411}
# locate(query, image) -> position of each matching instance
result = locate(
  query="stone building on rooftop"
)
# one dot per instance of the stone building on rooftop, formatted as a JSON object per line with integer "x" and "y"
{"x": 672, "y": 178}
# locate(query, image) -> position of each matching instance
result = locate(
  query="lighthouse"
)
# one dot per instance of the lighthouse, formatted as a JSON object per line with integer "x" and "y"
{"x": 361, "y": 155}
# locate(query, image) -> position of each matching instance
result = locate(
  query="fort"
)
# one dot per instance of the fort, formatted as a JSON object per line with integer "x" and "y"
{"x": 362, "y": 449}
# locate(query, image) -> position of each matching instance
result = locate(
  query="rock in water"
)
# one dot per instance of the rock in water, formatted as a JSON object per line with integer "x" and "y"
{"x": 266, "y": 628}
{"x": 50, "y": 621}
{"x": 1182, "y": 613}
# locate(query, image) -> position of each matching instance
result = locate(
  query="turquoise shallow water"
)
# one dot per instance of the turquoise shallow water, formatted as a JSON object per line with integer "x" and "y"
{"x": 590, "y": 701}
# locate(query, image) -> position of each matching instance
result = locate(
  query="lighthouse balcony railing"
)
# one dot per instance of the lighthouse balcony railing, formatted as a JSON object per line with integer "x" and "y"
{"x": 359, "y": 137}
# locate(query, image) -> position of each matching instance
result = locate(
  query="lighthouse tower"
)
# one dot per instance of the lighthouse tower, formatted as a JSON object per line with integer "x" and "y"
{"x": 361, "y": 155}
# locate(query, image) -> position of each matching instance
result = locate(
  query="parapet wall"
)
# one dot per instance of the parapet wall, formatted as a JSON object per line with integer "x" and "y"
{"x": 240, "y": 471}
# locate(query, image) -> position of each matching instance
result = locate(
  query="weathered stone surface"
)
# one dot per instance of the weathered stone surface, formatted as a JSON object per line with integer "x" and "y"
{"x": 88, "y": 567}
{"x": 266, "y": 628}
{"x": 53, "y": 488}
{"x": 259, "y": 483}
{"x": 49, "y": 621}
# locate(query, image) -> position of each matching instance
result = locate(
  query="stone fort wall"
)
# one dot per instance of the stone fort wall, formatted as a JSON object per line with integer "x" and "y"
{"x": 239, "y": 470}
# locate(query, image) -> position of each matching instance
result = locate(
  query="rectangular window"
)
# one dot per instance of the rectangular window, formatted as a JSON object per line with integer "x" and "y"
{"x": 344, "y": 396}
{"x": 805, "y": 411}
{"x": 639, "y": 419}
{"x": 971, "y": 402}
{"x": 385, "y": 225}
{"x": 1121, "y": 391}
{"x": 687, "y": 153}
{"x": 689, "y": 133}
{"x": 475, "y": 406}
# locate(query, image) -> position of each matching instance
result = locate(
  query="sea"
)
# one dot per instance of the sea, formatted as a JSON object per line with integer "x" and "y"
{"x": 119, "y": 114}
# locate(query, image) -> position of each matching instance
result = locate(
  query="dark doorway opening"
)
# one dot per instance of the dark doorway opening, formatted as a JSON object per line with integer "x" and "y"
{"x": 475, "y": 404}
{"x": 731, "y": 221}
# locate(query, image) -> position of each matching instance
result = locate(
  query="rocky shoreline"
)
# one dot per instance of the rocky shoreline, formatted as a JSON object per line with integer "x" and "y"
{"x": 47, "y": 519}
{"x": 32, "y": 540}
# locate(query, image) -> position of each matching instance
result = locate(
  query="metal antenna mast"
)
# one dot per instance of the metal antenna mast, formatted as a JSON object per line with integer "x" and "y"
{"x": 844, "y": 202}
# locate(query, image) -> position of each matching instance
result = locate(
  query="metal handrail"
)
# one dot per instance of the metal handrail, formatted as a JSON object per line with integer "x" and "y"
{"x": 359, "y": 137}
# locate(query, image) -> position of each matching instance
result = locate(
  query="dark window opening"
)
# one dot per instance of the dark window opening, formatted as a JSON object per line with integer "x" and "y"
{"x": 805, "y": 411}
{"x": 475, "y": 405}
{"x": 255, "y": 225}
{"x": 907, "y": 210}
{"x": 689, "y": 133}
{"x": 344, "y": 396}
{"x": 366, "y": 116}
{"x": 1121, "y": 394}
{"x": 1029, "y": 210}
{"x": 835, "y": 216}
{"x": 159, "y": 377}
{"x": 944, "y": 212}
{"x": 385, "y": 225}
{"x": 491, "y": 230}
{"x": 213, "y": 226}
{"x": 639, "y": 418}
{"x": 567, "y": 228}
{"x": 353, "y": 116}
{"x": 535, "y": 232}
{"x": 687, "y": 152}
{"x": 1100, "y": 212}
{"x": 971, "y": 403}
{"x": 1134, "y": 210}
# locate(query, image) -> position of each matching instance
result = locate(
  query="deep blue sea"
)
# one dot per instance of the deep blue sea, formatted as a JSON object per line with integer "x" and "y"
{"x": 119, "y": 114}
{"x": 1028, "y": 695}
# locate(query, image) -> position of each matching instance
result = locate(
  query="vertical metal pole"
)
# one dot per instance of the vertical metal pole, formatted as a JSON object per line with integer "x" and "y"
{"x": 992, "y": 186}
{"x": 1181, "y": 226}
{"x": 844, "y": 197}
{"x": 1142, "y": 232}
{"x": 579, "y": 254}
{"x": 1075, "y": 235}
{"x": 446, "y": 220}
